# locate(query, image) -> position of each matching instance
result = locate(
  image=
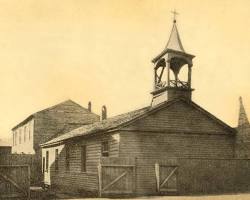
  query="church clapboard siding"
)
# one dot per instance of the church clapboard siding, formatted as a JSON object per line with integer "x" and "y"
{"x": 74, "y": 176}
{"x": 162, "y": 145}
{"x": 173, "y": 118}
{"x": 169, "y": 134}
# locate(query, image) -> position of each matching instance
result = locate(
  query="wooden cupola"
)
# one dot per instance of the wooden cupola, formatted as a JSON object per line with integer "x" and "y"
{"x": 168, "y": 64}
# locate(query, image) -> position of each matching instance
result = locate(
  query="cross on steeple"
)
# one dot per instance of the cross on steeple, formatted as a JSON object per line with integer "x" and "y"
{"x": 174, "y": 13}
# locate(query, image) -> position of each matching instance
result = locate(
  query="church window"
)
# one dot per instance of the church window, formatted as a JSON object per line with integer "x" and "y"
{"x": 67, "y": 157}
{"x": 105, "y": 149}
{"x": 83, "y": 158}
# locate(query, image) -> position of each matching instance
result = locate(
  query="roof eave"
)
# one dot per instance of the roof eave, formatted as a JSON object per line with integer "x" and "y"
{"x": 60, "y": 142}
{"x": 165, "y": 51}
{"x": 23, "y": 122}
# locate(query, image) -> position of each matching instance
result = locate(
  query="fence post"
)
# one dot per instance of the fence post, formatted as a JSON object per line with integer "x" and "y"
{"x": 28, "y": 182}
{"x": 99, "y": 167}
{"x": 157, "y": 175}
{"x": 134, "y": 175}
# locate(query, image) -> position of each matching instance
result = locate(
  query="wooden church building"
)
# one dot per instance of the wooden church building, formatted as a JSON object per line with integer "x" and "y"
{"x": 173, "y": 146}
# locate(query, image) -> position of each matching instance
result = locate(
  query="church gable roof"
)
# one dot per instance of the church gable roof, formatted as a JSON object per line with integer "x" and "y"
{"x": 135, "y": 119}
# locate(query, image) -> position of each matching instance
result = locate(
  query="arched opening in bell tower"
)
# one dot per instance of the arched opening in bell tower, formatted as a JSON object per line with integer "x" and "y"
{"x": 180, "y": 73}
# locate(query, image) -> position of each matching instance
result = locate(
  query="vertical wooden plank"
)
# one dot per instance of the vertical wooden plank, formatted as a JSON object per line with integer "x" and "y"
{"x": 99, "y": 168}
{"x": 134, "y": 175}
{"x": 157, "y": 175}
{"x": 28, "y": 182}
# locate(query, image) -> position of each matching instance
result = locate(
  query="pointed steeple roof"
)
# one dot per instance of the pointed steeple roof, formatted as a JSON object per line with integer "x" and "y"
{"x": 174, "y": 45}
{"x": 174, "y": 42}
{"x": 243, "y": 119}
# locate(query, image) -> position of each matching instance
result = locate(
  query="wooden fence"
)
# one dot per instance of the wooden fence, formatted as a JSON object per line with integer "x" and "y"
{"x": 25, "y": 159}
{"x": 187, "y": 176}
{"x": 209, "y": 176}
{"x": 173, "y": 176}
{"x": 14, "y": 181}
{"x": 164, "y": 176}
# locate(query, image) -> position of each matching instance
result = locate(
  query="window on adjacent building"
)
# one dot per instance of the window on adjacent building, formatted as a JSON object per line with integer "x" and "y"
{"x": 16, "y": 137}
{"x": 83, "y": 158}
{"x": 20, "y": 136}
{"x": 13, "y": 138}
{"x": 47, "y": 160}
{"x": 67, "y": 157}
{"x": 105, "y": 149}
{"x": 29, "y": 132}
{"x": 56, "y": 159}
{"x": 24, "y": 134}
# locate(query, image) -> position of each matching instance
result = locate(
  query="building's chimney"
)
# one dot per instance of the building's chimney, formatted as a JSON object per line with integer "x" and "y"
{"x": 104, "y": 112}
{"x": 89, "y": 106}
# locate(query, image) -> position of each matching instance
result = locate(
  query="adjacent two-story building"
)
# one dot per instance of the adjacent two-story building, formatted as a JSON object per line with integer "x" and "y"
{"x": 48, "y": 123}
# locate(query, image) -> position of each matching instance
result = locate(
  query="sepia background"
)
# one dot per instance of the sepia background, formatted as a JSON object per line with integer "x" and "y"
{"x": 101, "y": 51}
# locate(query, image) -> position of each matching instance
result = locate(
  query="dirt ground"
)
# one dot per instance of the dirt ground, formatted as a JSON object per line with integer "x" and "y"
{"x": 42, "y": 195}
{"x": 212, "y": 197}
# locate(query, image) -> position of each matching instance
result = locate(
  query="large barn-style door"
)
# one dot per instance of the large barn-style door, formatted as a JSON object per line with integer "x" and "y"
{"x": 166, "y": 178}
{"x": 116, "y": 179}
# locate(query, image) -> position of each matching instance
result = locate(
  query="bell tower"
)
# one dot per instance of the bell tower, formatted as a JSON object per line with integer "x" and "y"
{"x": 168, "y": 64}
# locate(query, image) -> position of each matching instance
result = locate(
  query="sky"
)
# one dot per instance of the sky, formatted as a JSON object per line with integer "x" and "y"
{"x": 101, "y": 51}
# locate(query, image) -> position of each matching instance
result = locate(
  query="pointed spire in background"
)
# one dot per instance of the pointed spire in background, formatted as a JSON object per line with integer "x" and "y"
{"x": 174, "y": 42}
{"x": 243, "y": 120}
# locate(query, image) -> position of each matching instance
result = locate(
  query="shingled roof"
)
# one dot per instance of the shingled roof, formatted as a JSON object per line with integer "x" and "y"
{"x": 69, "y": 101}
{"x": 101, "y": 126}
{"x": 122, "y": 120}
